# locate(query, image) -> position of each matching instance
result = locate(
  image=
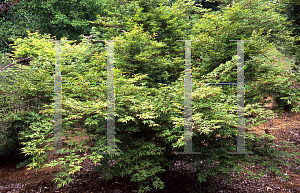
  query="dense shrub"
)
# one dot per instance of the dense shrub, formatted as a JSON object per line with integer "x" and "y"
{"x": 149, "y": 123}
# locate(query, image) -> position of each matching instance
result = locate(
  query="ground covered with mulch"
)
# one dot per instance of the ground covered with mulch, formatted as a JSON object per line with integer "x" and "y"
{"x": 181, "y": 178}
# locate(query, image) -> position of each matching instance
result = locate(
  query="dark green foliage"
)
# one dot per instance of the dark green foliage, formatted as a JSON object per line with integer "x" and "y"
{"x": 10, "y": 146}
{"x": 153, "y": 20}
{"x": 213, "y": 5}
{"x": 59, "y": 18}
{"x": 291, "y": 10}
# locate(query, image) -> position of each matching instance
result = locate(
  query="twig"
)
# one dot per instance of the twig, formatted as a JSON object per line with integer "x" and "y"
{"x": 11, "y": 64}
{"x": 6, "y": 43}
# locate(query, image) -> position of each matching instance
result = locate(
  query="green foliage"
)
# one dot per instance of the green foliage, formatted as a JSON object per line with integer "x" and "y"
{"x": 12, "y": 115}
{"x": 149, "y": 117}
{"x": 59, "y": 18}
{"x": 148, "y": 31}
{"x": 260, "y": 71}
{"x": 247, "y": 20}
{"x": 291, "y": 10}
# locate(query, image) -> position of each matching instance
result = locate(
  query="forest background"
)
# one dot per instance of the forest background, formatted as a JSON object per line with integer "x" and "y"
{"x": 149, "y": 83}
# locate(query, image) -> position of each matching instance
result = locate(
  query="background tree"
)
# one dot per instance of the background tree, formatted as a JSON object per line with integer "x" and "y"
{"x": 58, "y": 18}
{"x": 291, "y": 9}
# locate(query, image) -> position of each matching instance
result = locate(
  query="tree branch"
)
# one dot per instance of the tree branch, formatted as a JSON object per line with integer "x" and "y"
{"x": 11, "y": 64}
